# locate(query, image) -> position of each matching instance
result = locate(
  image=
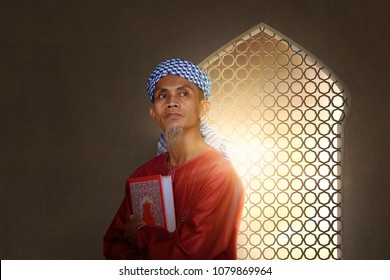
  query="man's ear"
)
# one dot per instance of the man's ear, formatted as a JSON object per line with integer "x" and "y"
{"x": 152, "y": 112}
{"x": 204, "y": 107}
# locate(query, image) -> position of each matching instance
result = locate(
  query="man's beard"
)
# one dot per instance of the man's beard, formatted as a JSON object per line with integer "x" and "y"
{"x": 172, "y": 136}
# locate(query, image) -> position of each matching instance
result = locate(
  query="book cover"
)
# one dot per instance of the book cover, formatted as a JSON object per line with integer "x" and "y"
{"x": 151, "y": 199}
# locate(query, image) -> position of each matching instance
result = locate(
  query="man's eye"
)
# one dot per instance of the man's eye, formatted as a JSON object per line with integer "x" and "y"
{"x": 184, "y": 93}
{"x": 162, "y": 96}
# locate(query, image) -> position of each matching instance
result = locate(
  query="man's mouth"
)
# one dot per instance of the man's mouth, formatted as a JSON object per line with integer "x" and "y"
{"x": 173, "y": 115}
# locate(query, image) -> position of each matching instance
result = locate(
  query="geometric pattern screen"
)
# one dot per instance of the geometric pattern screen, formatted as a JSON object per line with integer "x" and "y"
{"x": 283, "y": 112}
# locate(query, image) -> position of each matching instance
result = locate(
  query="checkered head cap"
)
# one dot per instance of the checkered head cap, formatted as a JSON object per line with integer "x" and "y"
{"x": 181, "y": 68}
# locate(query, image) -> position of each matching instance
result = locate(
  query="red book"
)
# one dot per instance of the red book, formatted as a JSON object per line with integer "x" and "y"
{"x": 151, "y": 199}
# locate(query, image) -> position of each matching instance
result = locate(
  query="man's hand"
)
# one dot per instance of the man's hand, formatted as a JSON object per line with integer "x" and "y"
{"x": 130, "y": 228}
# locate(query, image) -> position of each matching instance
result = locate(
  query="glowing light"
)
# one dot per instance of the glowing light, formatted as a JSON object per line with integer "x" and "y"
{"x": 283, "y": 112}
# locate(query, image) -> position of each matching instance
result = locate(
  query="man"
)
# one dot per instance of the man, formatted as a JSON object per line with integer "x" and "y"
{"x": 208, "y": 193}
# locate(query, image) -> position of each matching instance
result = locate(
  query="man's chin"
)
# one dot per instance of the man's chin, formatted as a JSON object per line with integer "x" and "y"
{"x": 173, "y": 125}
{"x": 172, "y": 135}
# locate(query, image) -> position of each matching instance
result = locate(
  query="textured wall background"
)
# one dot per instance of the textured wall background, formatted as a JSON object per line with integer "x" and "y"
{"x": 73, "y": 108}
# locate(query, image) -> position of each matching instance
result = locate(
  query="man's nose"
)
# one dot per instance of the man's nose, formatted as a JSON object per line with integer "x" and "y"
{"x": 172, "y": 102}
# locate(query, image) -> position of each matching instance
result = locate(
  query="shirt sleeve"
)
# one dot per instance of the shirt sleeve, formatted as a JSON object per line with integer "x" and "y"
{"x": 115, "y": 246}
{"x": 211, "y": 229}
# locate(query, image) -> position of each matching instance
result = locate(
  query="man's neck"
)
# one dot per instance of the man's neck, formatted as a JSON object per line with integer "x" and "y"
{"x": 190, "y": 145}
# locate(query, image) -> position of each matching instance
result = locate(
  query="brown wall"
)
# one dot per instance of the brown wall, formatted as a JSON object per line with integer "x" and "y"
{"x": 73, "y": 107}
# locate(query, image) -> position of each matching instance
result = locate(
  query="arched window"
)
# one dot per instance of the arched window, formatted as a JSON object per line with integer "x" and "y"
{"x": 283, "y": 111}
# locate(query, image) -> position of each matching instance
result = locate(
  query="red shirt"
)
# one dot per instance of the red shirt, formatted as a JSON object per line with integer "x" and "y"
{"x": 209, "y": 198}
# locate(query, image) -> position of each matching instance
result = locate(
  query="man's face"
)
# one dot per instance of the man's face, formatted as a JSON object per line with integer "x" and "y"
{"x": 178, "y": 102}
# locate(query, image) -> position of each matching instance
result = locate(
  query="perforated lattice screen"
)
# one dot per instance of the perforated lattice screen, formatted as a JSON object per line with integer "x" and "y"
{"x": 283, "y": 112}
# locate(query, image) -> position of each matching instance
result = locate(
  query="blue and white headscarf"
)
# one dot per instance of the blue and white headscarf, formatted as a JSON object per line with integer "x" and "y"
{"x": 182, "y": 68}
{"x": 196, "y": 75}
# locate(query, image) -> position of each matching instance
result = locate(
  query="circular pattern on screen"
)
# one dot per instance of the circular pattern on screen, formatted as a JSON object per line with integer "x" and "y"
{"x": 283, "y": 112}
